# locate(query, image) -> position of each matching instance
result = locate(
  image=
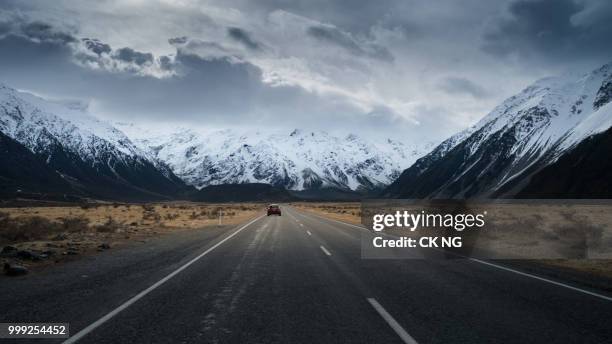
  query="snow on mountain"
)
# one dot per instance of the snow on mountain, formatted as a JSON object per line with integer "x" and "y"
{"x": 555, "y": 111}
{"x": 80, "y": 147}
{"x": 523, "y": 134}
{"x": 29, "y": 119}
{"x": 295, "y": 160}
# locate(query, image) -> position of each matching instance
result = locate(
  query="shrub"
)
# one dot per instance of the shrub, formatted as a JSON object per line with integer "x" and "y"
{"x": 171, "y": 216}
{"x": 75, "y": 224}
{"x": 151, "y": 215}
{"x": 110, "y": 226}
{"x": 26, "y": 229}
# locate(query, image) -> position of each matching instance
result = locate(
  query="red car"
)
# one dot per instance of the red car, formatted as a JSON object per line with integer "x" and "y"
{"x": 274, "y": 209}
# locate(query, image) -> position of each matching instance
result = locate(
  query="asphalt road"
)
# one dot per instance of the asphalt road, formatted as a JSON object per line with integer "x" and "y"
{"x": 297, "y": 278}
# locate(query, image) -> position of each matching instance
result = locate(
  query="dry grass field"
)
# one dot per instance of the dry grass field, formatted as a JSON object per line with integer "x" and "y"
{"x": 52, "y": 234}
{"x": 349, "y": 212}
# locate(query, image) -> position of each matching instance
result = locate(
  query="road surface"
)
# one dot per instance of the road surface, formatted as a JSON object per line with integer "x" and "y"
{"x": 298, "y": 278}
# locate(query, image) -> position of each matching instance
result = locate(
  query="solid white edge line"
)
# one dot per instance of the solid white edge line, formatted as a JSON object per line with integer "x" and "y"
{"x": 325, "y": 250}
{"x": 82, "y": 333}
{"x": 542, "y": 279}
{"x": 607, "y": 298}
{"x": 392, "y": 322}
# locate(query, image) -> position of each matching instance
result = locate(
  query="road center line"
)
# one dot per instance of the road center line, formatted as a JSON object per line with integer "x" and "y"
{"x": 340, "y": 222}
{"x": 325, "y": 250}
{"x": 524, "y": 274}
{"x": 143, "y": 293}
{"x": 392, "y": 322}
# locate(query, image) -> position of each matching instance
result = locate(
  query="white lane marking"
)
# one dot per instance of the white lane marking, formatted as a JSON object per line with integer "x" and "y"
{"x": 542, "y": 279}
{"x": 392, "y": 322}
{"x": 308, "y": 232}
{"x": 344, "y": 223}
{"x": 301, "y": 225}
{"x": 325, "y": 250}
{"x": 607, "y": 298}
{"x": 140, "y": 295}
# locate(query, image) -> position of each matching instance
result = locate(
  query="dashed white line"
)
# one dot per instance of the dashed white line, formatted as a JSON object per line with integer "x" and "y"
{"x": 542, "y": 279}
{"x": 325, "y": 250}
{"x": 301, "y": 225}
{"x": 143, "y": 293}
{"x": 392, "y": 322}
{"x": 340, "y": 222}
{"x": 308, "y": 232}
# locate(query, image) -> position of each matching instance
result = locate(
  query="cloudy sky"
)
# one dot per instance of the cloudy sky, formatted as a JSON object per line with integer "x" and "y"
{"x": 406, "y": 69}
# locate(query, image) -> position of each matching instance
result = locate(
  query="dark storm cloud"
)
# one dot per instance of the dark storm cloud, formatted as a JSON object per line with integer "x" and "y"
{"x": 177, "y": 40}
{"x": 166, "y": 63}
{"x": 19, "y": 35}
{"x": 243, "y": 37}
{"x": 342, "y": 39}
{"x": 96, "y": 46}
{"x": 132, "y": 56}
{"x": 216, "y": 87}
{"x": 38, "y": 31}
{"x": 456, "y": 85}
{"x": 206, "y": 91}
{"x": 45, "y": 33}
{"x": 552, "y": 29}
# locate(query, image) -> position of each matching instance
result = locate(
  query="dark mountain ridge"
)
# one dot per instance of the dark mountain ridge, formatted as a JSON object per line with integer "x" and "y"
{"x": 508, "y": 148}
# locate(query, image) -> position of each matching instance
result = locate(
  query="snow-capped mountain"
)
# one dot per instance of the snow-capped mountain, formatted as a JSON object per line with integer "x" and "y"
{"x": 296, "y": 160}
{"x": 96, "y": 158}
{"x": 528, "y": 131}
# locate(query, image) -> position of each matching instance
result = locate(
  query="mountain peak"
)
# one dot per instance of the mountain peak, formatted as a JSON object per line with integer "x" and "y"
{"x": 301, "y": 160}
{"x": 521, "y": 135}
{"x": 98, "y": 158}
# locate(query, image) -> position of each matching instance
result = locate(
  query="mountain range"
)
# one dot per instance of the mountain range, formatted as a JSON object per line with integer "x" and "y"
{"x": 552, "y": 140}
{"x": 67, "y": 152}
{"x": 63, "y": 151}
{"x": 523, "y": 146}
{"x": 294, "y": 160}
